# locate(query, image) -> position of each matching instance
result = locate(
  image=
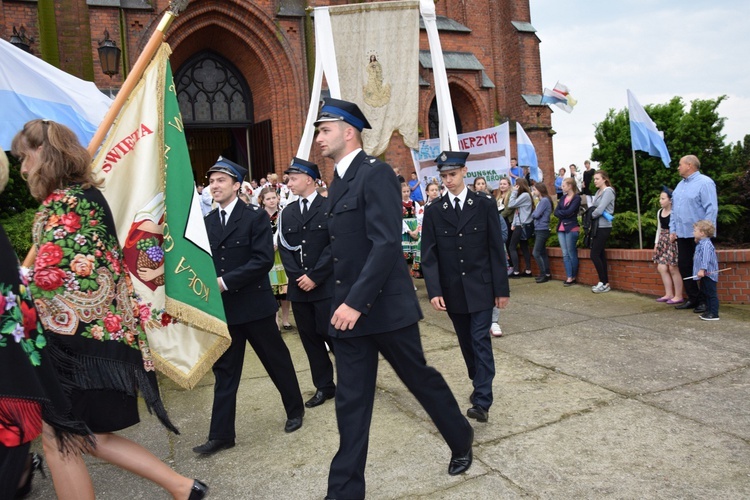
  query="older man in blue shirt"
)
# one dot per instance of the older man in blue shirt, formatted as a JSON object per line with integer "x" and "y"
{"x": 693, "y": 199}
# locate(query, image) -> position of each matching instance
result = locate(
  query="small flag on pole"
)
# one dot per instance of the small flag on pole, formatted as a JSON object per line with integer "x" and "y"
{"x": 526, "y": 152}
{"x": 560, "y": 97}
{"x": 643, "y": 132}
{"x": 31, "y": 88}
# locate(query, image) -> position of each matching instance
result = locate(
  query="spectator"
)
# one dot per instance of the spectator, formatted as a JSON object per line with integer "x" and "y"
{"x": 559, "y": 181}
{"x": 706, "y": 268}
{"x": 269, "y": 200}
{"x": 693, "y": 199}
{"x": 515, "y": 171}
{"x": 604, "y": 210}
{"x": 568, "y": 229}
{"x": 502, "y": 195}
{"x": 587, "y": 179}
{"x": 415, "y": 189}
{"x": 480, "y": 186}
{"x": 523, "y": 205}
{"x": 665, "y": 252}
{"x": 541, "y": 218}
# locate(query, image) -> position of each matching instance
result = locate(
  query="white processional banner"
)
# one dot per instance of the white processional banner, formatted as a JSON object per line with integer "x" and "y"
{"x": 489, "y": 156}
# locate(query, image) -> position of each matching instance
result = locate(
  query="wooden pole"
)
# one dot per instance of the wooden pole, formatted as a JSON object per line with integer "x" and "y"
{"x": 130, "y": 82}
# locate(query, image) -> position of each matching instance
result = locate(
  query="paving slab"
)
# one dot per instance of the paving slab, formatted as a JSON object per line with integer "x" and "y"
{"x": 596, "y": 396}
{"x": 625, "y": 450}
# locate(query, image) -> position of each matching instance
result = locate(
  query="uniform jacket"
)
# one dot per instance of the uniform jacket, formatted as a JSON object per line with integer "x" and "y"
{"x": 243, "y": 256}
{"x": 311, "y": 232}
{"x": 463, "y": 260}
{"x": 369, "y": 270}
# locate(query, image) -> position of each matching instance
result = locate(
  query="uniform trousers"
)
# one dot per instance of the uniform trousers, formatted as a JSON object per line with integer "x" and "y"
{"x": 266, "y": 341}
{"x": 312, "y": 320}
{"x": 357, "y": 368}
{"x": 474, "y": 340}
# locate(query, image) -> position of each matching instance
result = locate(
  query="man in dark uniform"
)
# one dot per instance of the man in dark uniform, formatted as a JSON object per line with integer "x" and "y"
{"x": 375, "y": 309}
{"x": 463, "y": 261}
{"x": 242, "y": 247}
{"x": 306, "y": 253}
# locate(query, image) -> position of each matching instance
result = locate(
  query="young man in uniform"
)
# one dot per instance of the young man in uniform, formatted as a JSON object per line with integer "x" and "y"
{"x": 306, "y": 253}
{"x": 463, "y": 261}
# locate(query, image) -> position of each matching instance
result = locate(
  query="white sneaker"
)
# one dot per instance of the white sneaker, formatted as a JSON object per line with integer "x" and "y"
{"x": 601, "y": 289}
{"x": 495, "y": 330}
{"x": 598, "y": 285}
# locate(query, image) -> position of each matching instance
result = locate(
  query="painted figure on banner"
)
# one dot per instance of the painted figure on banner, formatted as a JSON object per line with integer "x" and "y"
{"x": 375, "y": 93}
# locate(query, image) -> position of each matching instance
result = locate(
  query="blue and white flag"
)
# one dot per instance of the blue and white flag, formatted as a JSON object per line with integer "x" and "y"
{"x": 31, "y": 88}
{"x": 643, "y": 132}
{"x": 526, "y": 152}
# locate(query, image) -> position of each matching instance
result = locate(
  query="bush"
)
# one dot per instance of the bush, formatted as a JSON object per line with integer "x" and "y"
{"x": 18, "y": 229}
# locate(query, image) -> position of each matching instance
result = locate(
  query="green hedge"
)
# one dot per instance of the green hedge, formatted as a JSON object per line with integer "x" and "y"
{"x": 18, "y": 228}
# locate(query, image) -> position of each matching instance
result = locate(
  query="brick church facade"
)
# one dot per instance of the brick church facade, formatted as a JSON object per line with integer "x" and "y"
{"x": 243, "y": 69}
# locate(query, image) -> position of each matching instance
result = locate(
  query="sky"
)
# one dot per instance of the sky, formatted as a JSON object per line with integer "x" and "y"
{"x": 658, "y": 49}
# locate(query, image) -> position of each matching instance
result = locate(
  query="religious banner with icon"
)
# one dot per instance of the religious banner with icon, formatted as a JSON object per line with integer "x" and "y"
{"x": 489, "y": 156}
{"x": 149, "y": 186}
{"x": 377, "y": 54}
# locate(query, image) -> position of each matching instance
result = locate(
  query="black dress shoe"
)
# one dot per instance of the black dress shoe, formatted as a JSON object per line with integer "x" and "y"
{"x": 212, "y": 446}
{"x": 478, "y": 413}
{"x": 688, "y": 304}
{"x": 293, "y": 424}
{"x": 460, "y": 463}
{"x": 318, "y": 399}
{"x": 198, "y": 490}
{"x": 700, "y": 308}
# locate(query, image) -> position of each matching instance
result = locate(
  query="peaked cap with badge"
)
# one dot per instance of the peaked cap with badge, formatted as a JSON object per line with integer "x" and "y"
{"x": 451, "y": 160}
{"x": 228, "y": 167}
{"x": 334, "y": 110}
{"x": 300, "y": 166}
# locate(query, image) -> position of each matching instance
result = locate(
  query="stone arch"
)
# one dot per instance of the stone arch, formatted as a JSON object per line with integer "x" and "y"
{"x": 467, "y": 106}
{"x": 245, "y": 36}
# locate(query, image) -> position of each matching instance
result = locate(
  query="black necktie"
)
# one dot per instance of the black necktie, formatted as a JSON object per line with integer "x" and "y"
{"x": 304, "y": 206}
{"x": 336, "y": 173}
{"x": 457, "y": 206}
{"x": 223, "y": 218}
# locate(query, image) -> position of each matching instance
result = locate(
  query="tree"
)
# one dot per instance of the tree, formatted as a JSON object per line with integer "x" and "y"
{"x": 697, "y": 131}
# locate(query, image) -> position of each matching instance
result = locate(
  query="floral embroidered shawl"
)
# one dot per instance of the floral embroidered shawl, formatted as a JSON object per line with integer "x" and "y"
{"x": 84, "y": 296}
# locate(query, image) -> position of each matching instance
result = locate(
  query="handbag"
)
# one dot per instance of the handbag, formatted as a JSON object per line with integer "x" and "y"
{"x": 527, "y": 231}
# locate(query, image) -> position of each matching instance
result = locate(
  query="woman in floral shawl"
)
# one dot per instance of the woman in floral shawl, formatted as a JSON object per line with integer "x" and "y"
{"x": 29, "y": 387}
{"x": 86, "y": 305}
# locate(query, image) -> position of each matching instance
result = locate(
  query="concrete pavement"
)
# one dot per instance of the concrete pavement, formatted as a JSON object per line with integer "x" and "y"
{"x": 596, "y": 396}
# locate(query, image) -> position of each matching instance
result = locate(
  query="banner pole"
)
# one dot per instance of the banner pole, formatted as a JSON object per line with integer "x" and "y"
{"x": 637, "y": 203}
{"x": 134, "y": 77}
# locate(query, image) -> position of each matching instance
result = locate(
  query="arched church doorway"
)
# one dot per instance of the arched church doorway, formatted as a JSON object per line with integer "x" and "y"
{"x": 217, "y": 109}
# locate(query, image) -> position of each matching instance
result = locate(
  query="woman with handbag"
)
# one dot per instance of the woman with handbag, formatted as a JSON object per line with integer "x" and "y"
{"x": 541, "y": 217}
{"x": 522, "y": 227}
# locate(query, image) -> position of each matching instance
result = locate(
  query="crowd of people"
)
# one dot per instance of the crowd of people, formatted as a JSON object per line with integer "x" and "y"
{"x": 342, "y": 262}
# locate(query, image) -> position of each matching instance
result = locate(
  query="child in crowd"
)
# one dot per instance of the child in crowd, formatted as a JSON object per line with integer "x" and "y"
{"x": 706, "y": 267}
{"x": 665, "y": 253}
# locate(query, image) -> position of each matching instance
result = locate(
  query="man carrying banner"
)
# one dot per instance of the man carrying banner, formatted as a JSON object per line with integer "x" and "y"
{"x": 306, "y": 254}
{"x": 375, "y": 309}
{"x": 242, "y": 248}
{"x": 463, "y": 261}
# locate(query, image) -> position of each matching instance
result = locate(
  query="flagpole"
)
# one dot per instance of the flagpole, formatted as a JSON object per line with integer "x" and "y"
{"x": 637, "y": 202}
{"x": 157, "y": 37}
